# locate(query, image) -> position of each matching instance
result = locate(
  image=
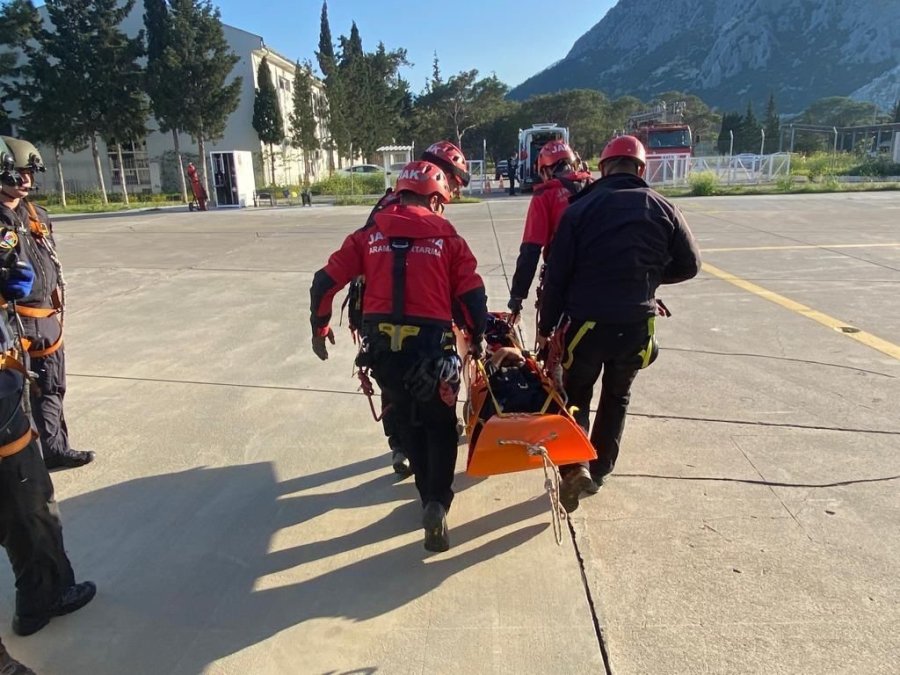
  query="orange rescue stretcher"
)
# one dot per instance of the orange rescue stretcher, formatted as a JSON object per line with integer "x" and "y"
{"x": 504, "y": 438}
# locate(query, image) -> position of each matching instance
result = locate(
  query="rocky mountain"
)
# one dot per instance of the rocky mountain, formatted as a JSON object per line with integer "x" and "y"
{"x": 729, "y": 51}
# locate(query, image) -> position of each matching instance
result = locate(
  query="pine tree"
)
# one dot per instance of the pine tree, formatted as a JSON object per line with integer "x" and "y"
{"x": 267, "y": 118}
{"x": 199, "y": 61}
{"x": 772, "y": 125}
{"x": 303, "y": 118}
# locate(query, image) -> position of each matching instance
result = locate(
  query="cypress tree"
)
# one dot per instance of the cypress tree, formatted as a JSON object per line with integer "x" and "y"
{"x": 730, "y": 123}
{"x": 302, "y": 118}
{"x": 772, "y": 125}
{"x": 267, "y": 119}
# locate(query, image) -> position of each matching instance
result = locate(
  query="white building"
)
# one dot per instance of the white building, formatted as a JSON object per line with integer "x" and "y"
{"x": 150, "y": 164}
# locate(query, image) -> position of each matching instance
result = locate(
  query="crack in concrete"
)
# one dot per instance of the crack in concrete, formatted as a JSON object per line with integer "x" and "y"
{"x": 595, "y": 617}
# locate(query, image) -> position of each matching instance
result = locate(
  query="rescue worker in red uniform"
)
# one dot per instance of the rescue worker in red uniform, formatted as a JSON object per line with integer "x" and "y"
{"x": 42, "y": 310}
{"x": 557, "y": 165}
{"x": 30, "y": 529}
{"x": 617, "y": 242}
{"x": 449, "y": 158}
{"x": 419, "y": 274}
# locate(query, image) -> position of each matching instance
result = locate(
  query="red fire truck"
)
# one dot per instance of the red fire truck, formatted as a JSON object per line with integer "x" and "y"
{"x": 662, "y": 130}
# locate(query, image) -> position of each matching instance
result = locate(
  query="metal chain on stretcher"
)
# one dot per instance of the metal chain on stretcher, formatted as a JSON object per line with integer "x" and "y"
{"x": 552, "y": 480}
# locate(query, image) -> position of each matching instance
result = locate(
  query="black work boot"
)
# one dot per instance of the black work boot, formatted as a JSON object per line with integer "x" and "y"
{"x": 434, "y": 520}
{"x": 68, "y": 459}
{"x": 576, "y": 481}
{"x": 9, "y": 666}
{"x": 72, "y": 599}
{"x": 399, "y": 460}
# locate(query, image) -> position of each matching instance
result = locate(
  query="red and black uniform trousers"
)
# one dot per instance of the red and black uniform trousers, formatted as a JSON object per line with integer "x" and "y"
{"x": 421, "y": 420}
{"x": 30, "y": 528}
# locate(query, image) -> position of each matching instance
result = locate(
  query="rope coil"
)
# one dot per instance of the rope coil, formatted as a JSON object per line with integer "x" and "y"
{"x": 552, "y": 481}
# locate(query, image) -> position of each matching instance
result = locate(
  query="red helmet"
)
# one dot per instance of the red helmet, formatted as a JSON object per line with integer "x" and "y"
{"x": 450, "y": 158}
{"x": 424, "y": 178}
{"x": 625, "y": 146}
{"x": 553, "y": 152}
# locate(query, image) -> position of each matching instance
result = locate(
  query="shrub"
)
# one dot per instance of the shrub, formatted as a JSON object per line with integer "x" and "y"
{"x": 875, "y": 166}
{"x": 344, "y": 184}
{"x": 785, "y": 183}
{"x": 703, "y": 183}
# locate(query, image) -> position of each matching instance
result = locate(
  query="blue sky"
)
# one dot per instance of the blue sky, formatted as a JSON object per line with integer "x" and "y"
{"x": 512, "y": 39}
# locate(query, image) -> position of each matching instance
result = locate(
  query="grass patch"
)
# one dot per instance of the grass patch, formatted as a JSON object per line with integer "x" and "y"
{"x": 826, "y": 186}
{"x": 96, "y": 208}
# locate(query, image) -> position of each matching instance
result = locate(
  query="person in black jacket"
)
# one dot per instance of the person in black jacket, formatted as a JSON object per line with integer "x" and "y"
{"x": 42, "y": 311}
{"x": 617, "y": 242}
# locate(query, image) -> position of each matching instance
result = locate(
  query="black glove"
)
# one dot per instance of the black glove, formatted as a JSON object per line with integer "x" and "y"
{"x": 515, "y": 305}
{"x": 422, "y": 380}
{"x": 318, "y": 341}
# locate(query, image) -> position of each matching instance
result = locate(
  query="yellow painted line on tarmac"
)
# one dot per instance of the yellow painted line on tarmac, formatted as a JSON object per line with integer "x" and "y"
{"x": 865, "y": 338}
{"x": 790, "y": 247}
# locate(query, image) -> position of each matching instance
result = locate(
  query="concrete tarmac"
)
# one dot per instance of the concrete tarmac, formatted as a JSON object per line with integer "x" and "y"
{"x": 242, "y": 517}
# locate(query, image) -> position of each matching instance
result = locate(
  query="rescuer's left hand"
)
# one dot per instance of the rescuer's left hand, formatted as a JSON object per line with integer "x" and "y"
{"x": 318, "y": 341}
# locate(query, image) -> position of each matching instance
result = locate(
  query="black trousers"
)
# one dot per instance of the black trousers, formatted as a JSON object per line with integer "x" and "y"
{"x": 30, "y": 528}
{"x": 610, "y": 351}
{"x": 388, "y": 421}
{"x": 47, "y": 402}
{"x": 426, "y": 429}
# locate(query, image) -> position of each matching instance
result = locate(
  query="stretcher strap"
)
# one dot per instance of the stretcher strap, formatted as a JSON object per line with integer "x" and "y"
{"x": 18, "y": 445}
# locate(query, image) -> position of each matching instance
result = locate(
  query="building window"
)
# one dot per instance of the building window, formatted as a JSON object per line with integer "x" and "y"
{"x": 137, "y": 164}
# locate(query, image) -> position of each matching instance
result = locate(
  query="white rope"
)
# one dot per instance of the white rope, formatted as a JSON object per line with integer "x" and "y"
{"x": 551, "y": 481}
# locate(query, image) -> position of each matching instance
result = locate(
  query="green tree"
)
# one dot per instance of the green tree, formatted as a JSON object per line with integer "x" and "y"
{"x": 303, "y": 118}
{"x": 267, "y": 119}
{"x": 839, "y": 111}
{"x": 164, "y": 90}
{"x": 895, "y": 115}
{"x": 42, "y": 92}
{"x": 87, "y": 45}
{"x": 772, "y": 125}
{"x": 731, "y": 123}
{"x": 20, "y": 23}
{"x": 335, "y": 136}
{"x": 462, "y": 103}
{"x": 747, "y": 137}
{"x": 584, "y": 111}
{"x": 200, "y": 62}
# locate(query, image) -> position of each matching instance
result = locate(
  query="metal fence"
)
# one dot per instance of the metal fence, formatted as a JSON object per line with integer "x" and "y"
{"x": 676, "y": 170}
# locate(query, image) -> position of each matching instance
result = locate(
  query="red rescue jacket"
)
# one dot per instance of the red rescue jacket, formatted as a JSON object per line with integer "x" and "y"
{"x": 416, "y": 269}
{"x": 549, "y": 202}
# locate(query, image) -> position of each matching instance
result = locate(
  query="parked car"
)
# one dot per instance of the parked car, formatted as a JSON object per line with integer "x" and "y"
{"x": 502, "y": 169}
{"x": 361, "y": 168}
